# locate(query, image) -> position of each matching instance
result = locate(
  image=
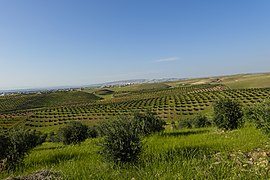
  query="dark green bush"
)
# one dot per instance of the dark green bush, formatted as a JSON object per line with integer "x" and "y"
{"x": 16, "y": 143}
{"x": 148, "y": 123}
{"x": 53, "y": 137}
{"x": 260, "y": 114}
{"x": 122, "y": 141}
{"x": 92, "y": 132}
{"x": 200, "y": 121}
{"x": 5, "y": 144}
{"x": 73, "y": 133}
{"x": 173, "y": 125}
{"x": 228, "y": 114}
{"x": 185, "y": 123}
{"x": 122, "y": 137}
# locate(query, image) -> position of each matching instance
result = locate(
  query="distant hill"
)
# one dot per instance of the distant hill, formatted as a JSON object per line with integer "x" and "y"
{"x": 237, "y": 81}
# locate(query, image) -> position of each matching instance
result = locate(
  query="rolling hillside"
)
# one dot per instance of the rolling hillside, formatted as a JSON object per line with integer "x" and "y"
{"x": 19, "y": 102}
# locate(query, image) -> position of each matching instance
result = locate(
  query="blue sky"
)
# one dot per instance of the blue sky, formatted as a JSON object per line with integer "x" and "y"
{"x": 62, "y": 42}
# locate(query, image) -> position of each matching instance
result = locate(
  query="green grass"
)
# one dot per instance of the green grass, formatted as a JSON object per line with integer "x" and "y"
{"x": 175, "y": 154}
{"x": 249, "y": 81}
{"x": 182, "y": 154}
{"x": 238, "y": 81}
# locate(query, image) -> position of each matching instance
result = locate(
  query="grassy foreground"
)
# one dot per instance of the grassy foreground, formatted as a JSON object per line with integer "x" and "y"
{"x": 174, "y": 154}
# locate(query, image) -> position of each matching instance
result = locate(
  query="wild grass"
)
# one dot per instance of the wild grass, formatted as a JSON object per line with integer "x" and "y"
{"x": 248, "y": 81}
{"x": 205, "y": 153}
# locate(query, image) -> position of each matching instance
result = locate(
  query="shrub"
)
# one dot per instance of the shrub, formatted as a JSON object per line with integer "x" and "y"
{"x": 52, "y": 137}
{"x": 15, "y": 144}
{"x": 5, "y": 144}
{"x": 228, "y": 114}
{"x": 148, "y": 123}
{"x": 92, "y": 132}
{"x": 185, "y": 123}
{"x": 122, "y": 141}
{"x": 260, "y": 114}
{"x": 73, "y": 133}
{"x": 201, "y": 121}
{"x": 173, "y": 125}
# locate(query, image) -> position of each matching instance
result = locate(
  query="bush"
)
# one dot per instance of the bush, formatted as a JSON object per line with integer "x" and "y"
{"x": 198, "y": 121}
{"x": 15, "y": 144}
{"x": 92, "y": 132}
{"x": 73, "y": 133}
{"x": 148, "y": 123}
{"x": 5, "y": 144}
{"x": 228, "y": 114}
{"x": 185, "y": 123}
{"x": 173, "y": 125}
{"x": 53, "y": 137}
{"x": 260, "y": 114}
{"x": 201, "y": 121}
{"x": 122, "y": 141}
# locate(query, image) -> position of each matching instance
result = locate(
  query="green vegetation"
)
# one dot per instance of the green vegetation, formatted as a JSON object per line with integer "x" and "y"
{"x": 260, "y": 114}
{"x": 248, "y": 81}
{"x": 73, "y": 133}
{"x": 50, "y": 99}
{"x": 190, "y": 147}
{"x": 238, "y": 81}
{"x": 180, "y": 154}
{"x": 198, "y": 121}
{"x": 15, "y": 144}
{"x": 148, "y": 123}
{"x": 228, "y": 114}
{"x": 122, "y": 141}
{"x": 123, "y": 136}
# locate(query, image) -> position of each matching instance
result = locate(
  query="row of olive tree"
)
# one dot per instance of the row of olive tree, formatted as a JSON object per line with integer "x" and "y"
{"x": 122, "y": 137}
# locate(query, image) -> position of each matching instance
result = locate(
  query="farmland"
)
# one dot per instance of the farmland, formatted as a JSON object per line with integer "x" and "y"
{"x": 189, "y": 154}
{"x": 50, "y": 110}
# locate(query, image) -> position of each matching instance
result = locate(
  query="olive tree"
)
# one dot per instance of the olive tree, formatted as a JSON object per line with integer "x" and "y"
{"x": 228, "y": 114}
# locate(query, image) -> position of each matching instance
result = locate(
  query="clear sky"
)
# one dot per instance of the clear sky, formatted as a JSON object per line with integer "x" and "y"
{"x": 78, "y": 42}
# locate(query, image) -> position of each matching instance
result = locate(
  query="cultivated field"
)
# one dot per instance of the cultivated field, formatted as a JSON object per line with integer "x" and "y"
{"x": 204, "y": 153}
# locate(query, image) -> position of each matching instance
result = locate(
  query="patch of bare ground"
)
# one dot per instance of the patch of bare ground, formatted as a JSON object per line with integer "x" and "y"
{"x": 257, "y": 161}
{"x": 39, "y": 175}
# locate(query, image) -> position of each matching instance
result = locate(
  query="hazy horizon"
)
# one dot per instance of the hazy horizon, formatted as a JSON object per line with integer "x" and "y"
{"x": 67, "y": 43}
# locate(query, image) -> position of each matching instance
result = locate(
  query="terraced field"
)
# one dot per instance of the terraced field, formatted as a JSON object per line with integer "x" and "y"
{"x": 170, "y": 104}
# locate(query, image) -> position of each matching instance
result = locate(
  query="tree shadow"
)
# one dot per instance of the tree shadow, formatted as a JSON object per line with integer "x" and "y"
{"x": 189, "y": 153}
{"x": 183, "y": 153}
{"x": 48, "y": 148}
{"x": 61, "y": 157}
{"x": 55, "y": 159}
{"x": 185, "y": 133}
